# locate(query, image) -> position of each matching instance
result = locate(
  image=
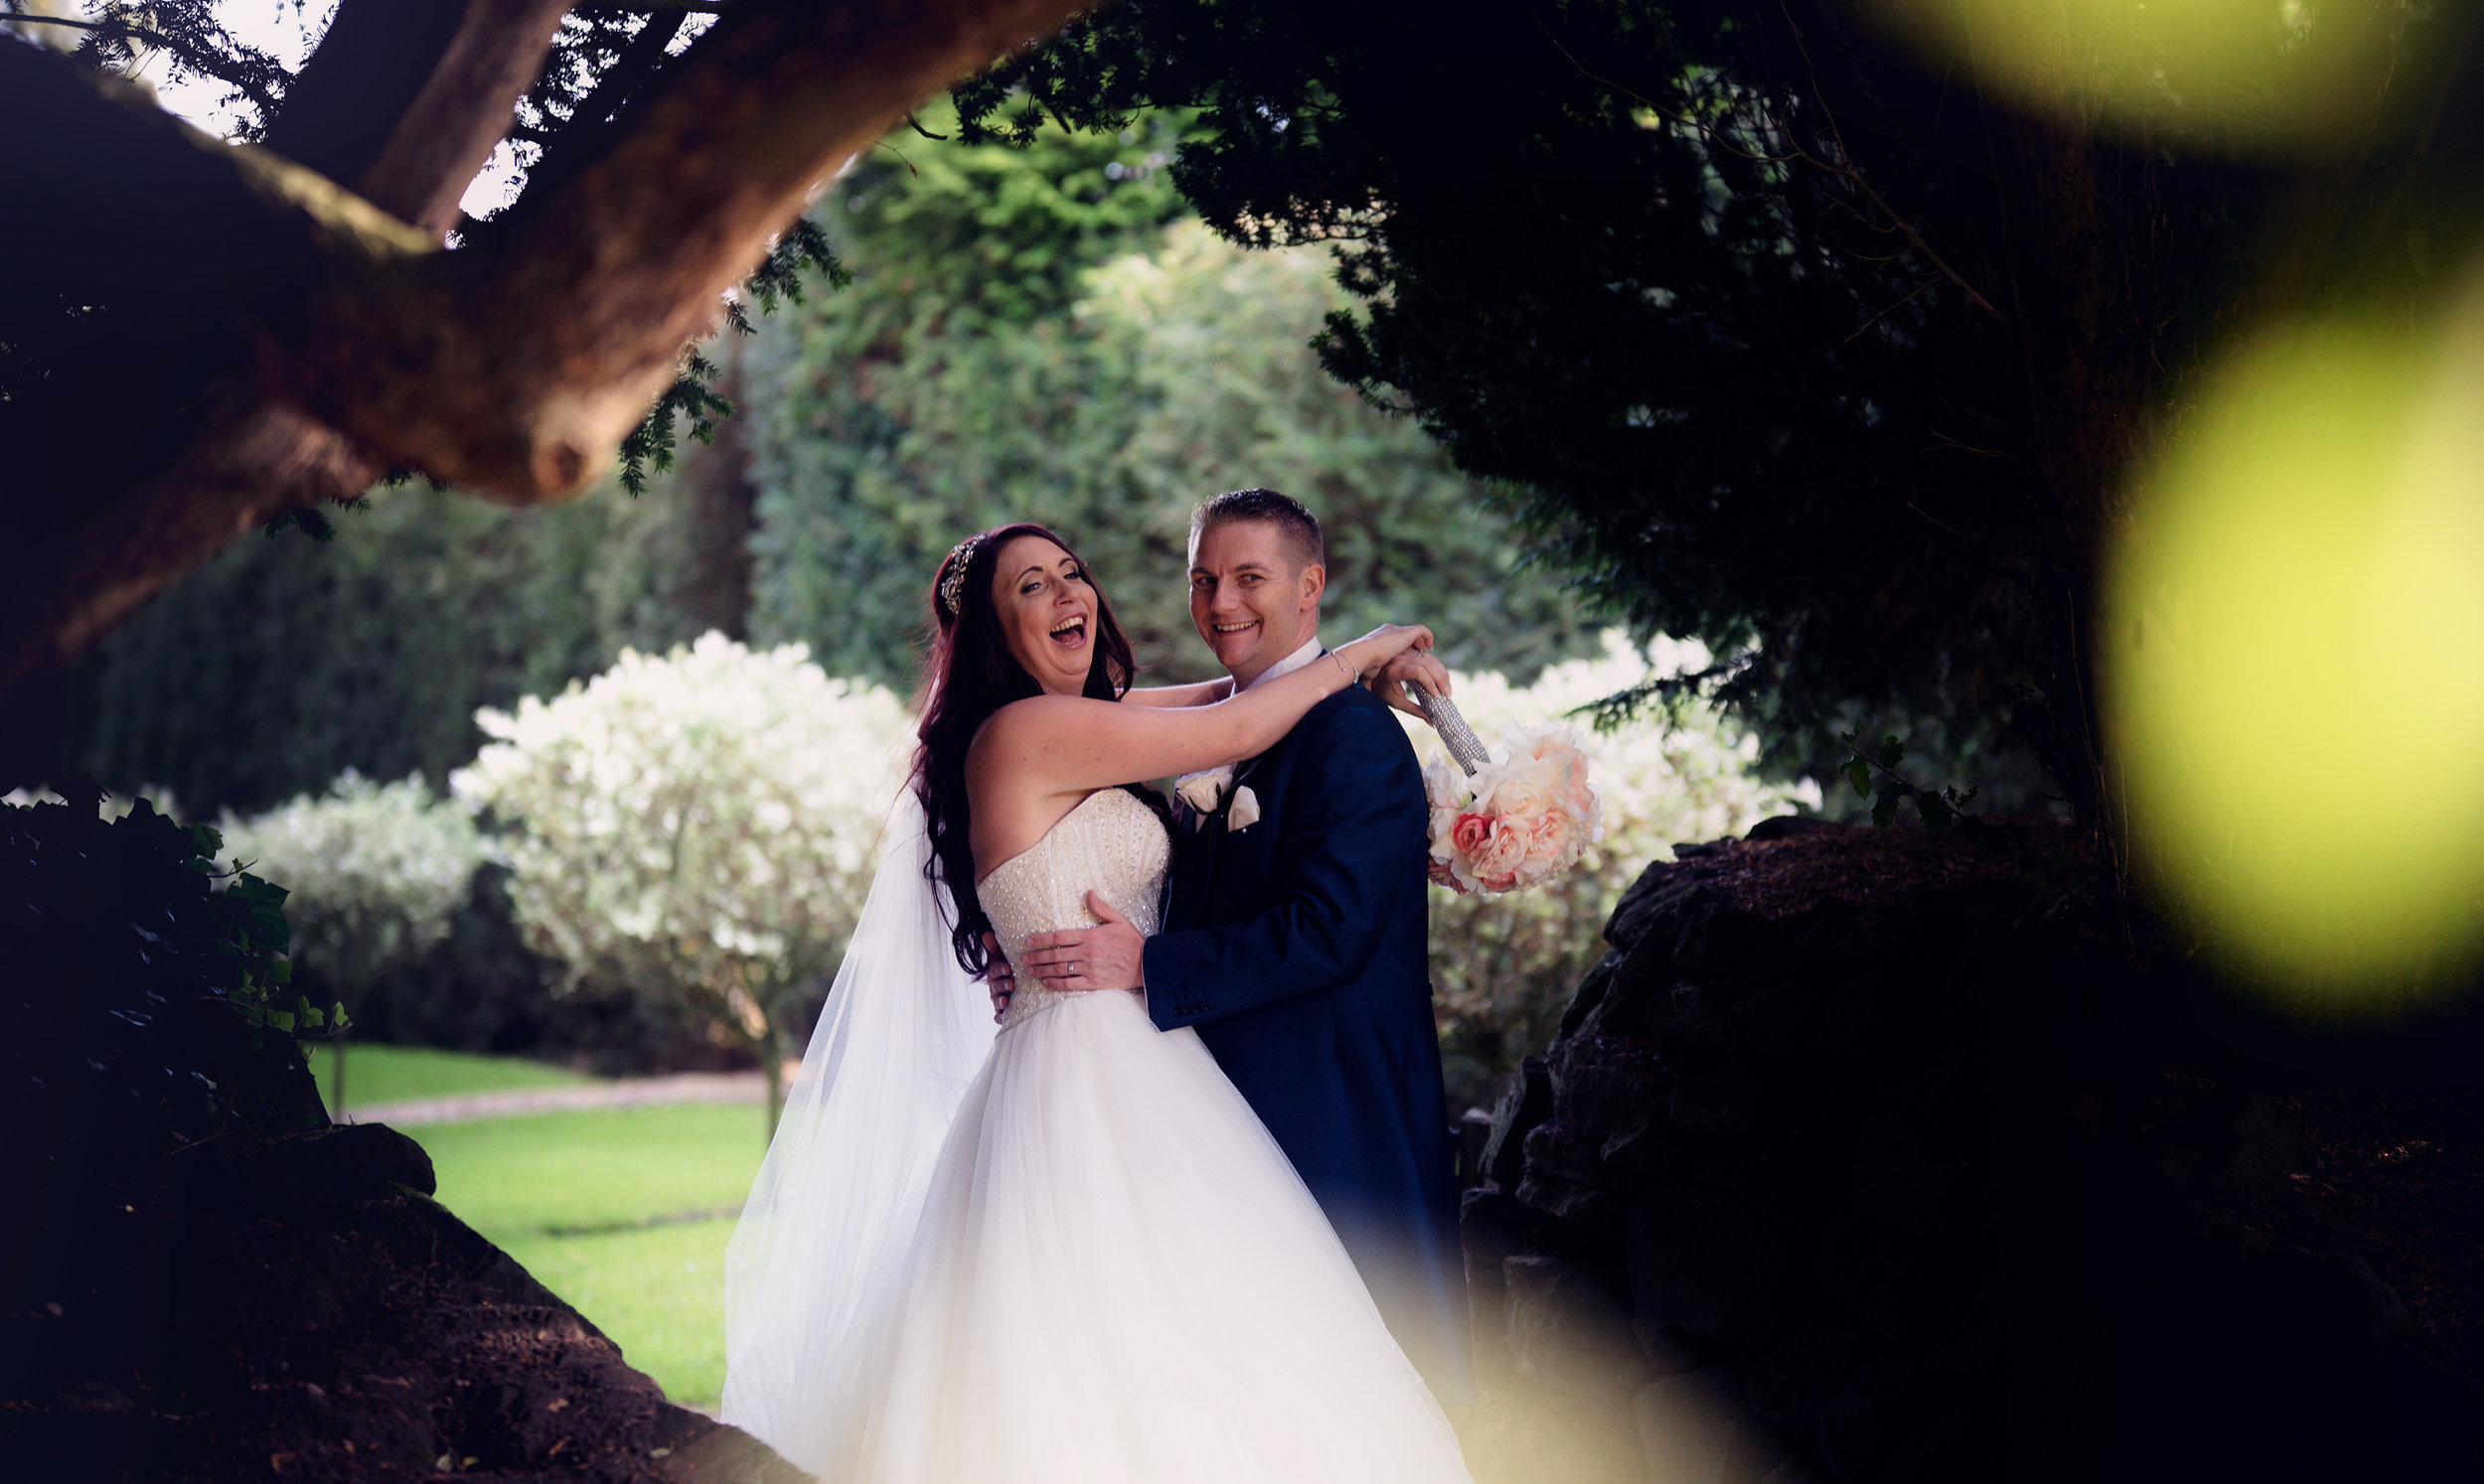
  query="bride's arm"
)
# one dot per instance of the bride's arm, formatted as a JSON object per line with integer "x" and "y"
{"x": 1197, "y": 694}
{"x": 1059, "y": 744}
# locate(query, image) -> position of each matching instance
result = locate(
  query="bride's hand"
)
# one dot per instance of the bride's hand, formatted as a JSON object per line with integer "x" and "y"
{"x": 1411, "y": 666}
{"x": 1368, "y": 654}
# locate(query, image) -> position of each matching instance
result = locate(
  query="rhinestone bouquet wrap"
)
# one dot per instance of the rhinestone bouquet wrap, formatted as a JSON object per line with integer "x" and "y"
{"x": 1456, "y": 735}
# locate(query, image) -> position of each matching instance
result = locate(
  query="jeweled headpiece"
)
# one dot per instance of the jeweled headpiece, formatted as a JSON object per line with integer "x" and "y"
{"x": 953, "y": 586}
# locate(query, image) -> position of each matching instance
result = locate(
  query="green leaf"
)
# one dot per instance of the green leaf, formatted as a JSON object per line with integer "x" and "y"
{"x": 1859, "y": 775}
{"x": 1936, "y": 812}
{"x": 1885, "y": 809}
{"x": 1892, "y": 752}
{"x": 265, "y": 902}
{"x": 209, "y": 840}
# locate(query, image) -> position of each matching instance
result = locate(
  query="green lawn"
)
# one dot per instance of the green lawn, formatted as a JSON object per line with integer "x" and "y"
{"x": 657, "y": 1290}
{"x": 595, "y": 1169}
{"x": 376, "y": 1073}
{"x": 583, "y": 1199}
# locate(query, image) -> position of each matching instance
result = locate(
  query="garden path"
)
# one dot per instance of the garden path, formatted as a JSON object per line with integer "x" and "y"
{"x": 628, "y": 1091}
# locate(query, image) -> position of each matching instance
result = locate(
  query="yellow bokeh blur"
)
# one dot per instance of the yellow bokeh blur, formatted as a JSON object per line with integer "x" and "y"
{"x": 2273, "y": 75}
{"x": 2293, "y": 660}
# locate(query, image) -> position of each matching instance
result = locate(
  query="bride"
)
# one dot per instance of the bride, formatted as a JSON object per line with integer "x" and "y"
{"x": 1067, "y": 1251}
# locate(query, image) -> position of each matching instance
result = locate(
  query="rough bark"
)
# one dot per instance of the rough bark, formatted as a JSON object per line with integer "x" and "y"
{"x": 405, "y": 99}
{"x": 2080, "y": 303}
{"x": 311, "y": 340}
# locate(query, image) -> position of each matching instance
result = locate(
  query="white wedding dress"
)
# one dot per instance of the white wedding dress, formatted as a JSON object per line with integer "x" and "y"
{"x": 1115, "y": 1275}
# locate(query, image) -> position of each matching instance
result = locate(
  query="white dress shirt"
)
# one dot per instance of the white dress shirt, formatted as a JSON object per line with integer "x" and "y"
{"x": 1290, "y": 663}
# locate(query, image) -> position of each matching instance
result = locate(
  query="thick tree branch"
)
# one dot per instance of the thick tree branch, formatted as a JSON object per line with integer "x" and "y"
{"x": 373, "y": 59}
{"x": 462, "y": 111}
{"x": 519, "y": 368}
{"x": 287, "y": 339}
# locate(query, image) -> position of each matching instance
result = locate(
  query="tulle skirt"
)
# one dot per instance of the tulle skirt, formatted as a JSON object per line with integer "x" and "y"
{"x": 1118, "y": 1279}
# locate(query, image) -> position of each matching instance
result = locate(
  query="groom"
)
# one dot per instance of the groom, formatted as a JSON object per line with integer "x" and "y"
{"x": 1294, "y": 937}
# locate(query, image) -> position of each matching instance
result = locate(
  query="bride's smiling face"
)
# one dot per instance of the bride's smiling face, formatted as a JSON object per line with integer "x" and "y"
{"x": 1046, "y": 610}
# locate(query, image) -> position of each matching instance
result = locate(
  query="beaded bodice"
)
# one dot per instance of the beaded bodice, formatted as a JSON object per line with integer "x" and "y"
{"x": 1110, "y": 843}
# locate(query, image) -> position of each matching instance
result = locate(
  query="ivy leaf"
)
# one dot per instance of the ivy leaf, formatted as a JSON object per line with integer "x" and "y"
{"x": 1936, "y": 813}
{"x": 1892, "y": 752}
{"x": 265, "y": 901}
{"x": 1884, "y": 807}
{"x": 1859, "y": 775}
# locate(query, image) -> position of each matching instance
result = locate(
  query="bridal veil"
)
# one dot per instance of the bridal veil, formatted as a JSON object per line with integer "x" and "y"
{"x": 813, "y": 1275}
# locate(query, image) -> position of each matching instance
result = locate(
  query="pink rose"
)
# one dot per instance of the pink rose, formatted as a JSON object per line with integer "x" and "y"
{"x": 1499, "y": 857}
{"x": 1469, "y": 834}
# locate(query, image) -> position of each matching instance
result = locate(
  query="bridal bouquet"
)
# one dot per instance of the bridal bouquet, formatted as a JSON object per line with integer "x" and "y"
{"x": 1518, "y": 819}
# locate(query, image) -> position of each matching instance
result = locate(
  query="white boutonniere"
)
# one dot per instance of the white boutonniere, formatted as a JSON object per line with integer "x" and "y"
{"x": 1203, "y": 792}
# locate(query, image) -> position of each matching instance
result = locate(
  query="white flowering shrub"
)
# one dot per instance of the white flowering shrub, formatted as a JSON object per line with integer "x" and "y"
{"x": 372, "y": 870}
{"x": 701, "y": 825}
{"x": 1503, "y": 967}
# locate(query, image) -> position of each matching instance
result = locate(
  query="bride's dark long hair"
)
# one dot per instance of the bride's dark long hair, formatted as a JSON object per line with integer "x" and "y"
{"x": 971, "y": 673}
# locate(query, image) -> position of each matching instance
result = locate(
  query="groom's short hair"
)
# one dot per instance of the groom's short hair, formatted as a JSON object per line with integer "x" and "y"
{"x": 1301, "y": 526}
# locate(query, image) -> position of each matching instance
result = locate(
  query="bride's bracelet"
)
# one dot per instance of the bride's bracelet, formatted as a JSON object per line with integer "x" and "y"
{"x": 1350, "y": 677}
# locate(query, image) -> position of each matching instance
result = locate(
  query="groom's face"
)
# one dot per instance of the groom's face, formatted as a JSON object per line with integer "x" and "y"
{"x": 1252, "y": 596}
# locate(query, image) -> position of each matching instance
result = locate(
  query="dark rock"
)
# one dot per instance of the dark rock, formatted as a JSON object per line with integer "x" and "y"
{"x": 1899, "y": 1180}
{"x": 297, "y": 1307}
{"x": 1944, "y": 1184}
{"x": 1563, "y": 1178}
{"x": 1786, "y": 826}
{"x": 1555, "y": 1151}
{"x": 1526, "y": 1102}
{"x": 1637, "y": 1154}
{"x": 1569, "y": 1330}
{"x": 1661, "y": 893}
{"x": 1473, "y": 1134}
{"x": 1724, "y": 1103}
{"x": 1591, "y": 988}
{"x": 1605, "y": 1081}
{"x": 1686, "y": 1423}
{"x": 1902, "y": 1285}
{"x": 1700, "y": 1261}
{"x": 333, "y": 1166}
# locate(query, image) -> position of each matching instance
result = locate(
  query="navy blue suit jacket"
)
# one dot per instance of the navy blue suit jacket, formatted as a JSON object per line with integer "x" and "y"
{"x": 1298, "y": 949}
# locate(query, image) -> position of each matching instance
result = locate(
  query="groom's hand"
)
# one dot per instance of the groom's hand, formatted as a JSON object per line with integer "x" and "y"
{"x": 1103, "y": 956}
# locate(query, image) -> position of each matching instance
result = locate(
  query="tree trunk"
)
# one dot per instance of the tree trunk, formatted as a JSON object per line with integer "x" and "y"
{"x": 772, "y": 1064}
{"x": 719, "y": 515}
{"x": 2081, "y": 302}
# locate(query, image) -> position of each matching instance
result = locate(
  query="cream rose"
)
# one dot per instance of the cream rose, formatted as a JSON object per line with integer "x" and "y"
{"x": 1551, "y": 835}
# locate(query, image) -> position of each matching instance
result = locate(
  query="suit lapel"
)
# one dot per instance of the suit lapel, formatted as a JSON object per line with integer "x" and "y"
{"x": 1196, "y": 858}
{"x": 1194, "y": 870}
